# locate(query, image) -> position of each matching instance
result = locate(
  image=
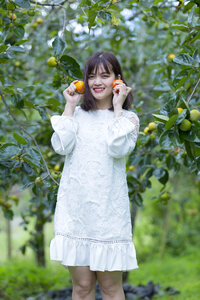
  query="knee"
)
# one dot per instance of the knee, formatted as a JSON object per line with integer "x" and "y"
{"x": 83, "y": 287}
{"x": 109, "y": 288}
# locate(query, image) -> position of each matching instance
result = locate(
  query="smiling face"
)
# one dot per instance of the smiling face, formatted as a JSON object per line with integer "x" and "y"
{"x": 100, "y": 84}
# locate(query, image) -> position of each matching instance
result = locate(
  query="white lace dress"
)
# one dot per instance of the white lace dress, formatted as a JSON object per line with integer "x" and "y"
{"x": 92, "y": 222}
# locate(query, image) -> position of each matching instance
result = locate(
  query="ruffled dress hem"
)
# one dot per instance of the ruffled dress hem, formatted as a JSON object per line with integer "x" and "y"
{"x": 98, "y": 255}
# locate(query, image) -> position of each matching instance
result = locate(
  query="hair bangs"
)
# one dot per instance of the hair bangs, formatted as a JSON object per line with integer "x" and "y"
{"x": 96, "y": 62}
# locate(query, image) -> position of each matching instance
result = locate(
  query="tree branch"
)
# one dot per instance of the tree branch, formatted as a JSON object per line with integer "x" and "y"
{"x": 48, "y": 4}
{"x": 190, "y": 97}
{"x": 29, "y": 135}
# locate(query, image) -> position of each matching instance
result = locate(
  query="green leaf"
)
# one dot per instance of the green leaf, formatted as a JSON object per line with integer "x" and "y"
{"x": 16, "y": 49}
{"x": 105, "y": 15}
{"x": 195, "y": 56}
{"x": 22, "y": 3}
{"x": 181, "y": 116}
{"x": 185, "y": 104}
{"x": 4, "y": 58}
{"x": 180, "y": 27}
{"x": 8, "y": 150}
{"x": 19, "y": 31}
{"x": 8, "y": 214}
{"x": 166, "y": 140}
{"x": 157, "y": 1}
{"x": 91, "y": 18}
{"x": 171, "y": 121}
{"x": 184, "y": 59}
{"x": 170, "y": 161}
{"x": 33, "y": 158}
{"x": 161, "y": 118}
{"x": 71, "y": 66}
{"x": 190, "y": 16}
{"x": 161, "y": 174}
{"x": 3, "y": 48}
{"x": 193, "y": 135}
{"x": 163, "y": 87}
{"x": 188, "y": 149}
{"x": 58, "y": 45}
{"x": 19, "y": 138}
{"x": 138, "y": 199}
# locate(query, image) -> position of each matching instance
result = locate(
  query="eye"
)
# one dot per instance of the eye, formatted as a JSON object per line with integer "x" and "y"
{"x": 91, "y": 76}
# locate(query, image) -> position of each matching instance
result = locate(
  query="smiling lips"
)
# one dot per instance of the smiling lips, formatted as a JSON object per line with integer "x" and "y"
{"x": 98, "y": 90}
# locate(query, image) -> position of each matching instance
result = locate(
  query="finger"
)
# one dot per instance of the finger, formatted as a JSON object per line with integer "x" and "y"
{"x": 73, "y": 86}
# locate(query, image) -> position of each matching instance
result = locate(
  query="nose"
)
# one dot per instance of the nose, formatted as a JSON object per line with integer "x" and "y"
{"x": 97, "y": 80}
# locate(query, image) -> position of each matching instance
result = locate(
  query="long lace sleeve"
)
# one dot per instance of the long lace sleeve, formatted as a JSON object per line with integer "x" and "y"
{"x": 122, "y": 135}
{"x": 63, "y": 139}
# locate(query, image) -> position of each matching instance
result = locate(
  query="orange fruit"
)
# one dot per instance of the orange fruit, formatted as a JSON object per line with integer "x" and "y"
{"x": 117, "y": 81}
{"x": 80, "y": 87}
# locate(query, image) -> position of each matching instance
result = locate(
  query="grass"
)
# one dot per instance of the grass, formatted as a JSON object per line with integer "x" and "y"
{"x": 181, "y": 273}
{"x": 22, "y": 278}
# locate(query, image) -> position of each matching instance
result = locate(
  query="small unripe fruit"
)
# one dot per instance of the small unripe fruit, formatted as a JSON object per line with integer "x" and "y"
{"x": 152, "y": 126}
{"x": 12, "y": 16}
{"x": 52, "y": 61}
{"x": 152, "y": 135}
{"x": 39, "y": 20}
{"x": 8, "y": 205}
{"x": 35, "y": 25}
{"x": 131, "y": 168}
{"x": 38, "y": 179}
{"x": 176, "y": 151}
{"x": 165, "y": 196}
{"x": 14, "y": 198}
{"x": 2, "y": 201}
{"x": 171, "y": 56}
{"x": 194, "y": 115}
{"x": 17, "y": 63}
{"x": 56, "y": 167}
{"x": 180, "y": 109}
{"x": 185, "y": 125}
{"x": 33, "y": 209}
{"x": 146, "y": 130}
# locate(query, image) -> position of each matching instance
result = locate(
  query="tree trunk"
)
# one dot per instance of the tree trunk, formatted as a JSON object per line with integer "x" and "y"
{"x": 40, "y": 251}
{"x": 9, "y": 242}
{"x": 165, "y": 230}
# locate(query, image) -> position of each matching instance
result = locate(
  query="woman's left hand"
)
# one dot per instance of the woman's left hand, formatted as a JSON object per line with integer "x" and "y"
{"x": 120, "y": 92}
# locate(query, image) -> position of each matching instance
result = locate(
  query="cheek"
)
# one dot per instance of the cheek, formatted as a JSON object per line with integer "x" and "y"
{"x": 109, "y": 82}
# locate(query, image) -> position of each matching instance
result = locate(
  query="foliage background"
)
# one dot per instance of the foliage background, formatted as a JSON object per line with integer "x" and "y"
{"x": 157, "y": 44}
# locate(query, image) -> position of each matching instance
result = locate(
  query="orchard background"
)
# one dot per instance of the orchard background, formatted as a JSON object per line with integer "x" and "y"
{"x": 43, "y": 47}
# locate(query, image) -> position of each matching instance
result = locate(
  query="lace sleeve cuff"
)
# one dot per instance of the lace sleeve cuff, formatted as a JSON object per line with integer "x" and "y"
{"x": 64, "y": 138}
{"x": 122, "y": 135}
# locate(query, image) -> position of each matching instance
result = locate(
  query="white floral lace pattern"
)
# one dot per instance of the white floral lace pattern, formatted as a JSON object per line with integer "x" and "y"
{"x": 122, "y": 134}
{"x": 92, "y": 222}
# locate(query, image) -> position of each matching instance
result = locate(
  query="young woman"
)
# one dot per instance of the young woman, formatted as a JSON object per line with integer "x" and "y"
{"x": 93, "y": 233}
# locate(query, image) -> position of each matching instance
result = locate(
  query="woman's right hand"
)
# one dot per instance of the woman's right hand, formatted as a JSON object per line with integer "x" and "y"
{"x": 70, "y": 96}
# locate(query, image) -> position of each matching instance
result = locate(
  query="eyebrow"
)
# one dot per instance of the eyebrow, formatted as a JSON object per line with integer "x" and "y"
{"x": 100, "y": 73}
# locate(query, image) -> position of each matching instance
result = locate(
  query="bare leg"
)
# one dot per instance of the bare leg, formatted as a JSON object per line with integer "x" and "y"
{"x": 110, "y": 283}
{"x": 84, "y": 282}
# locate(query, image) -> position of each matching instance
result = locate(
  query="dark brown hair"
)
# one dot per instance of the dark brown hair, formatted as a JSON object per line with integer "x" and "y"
{"x": 109, "y": 61}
